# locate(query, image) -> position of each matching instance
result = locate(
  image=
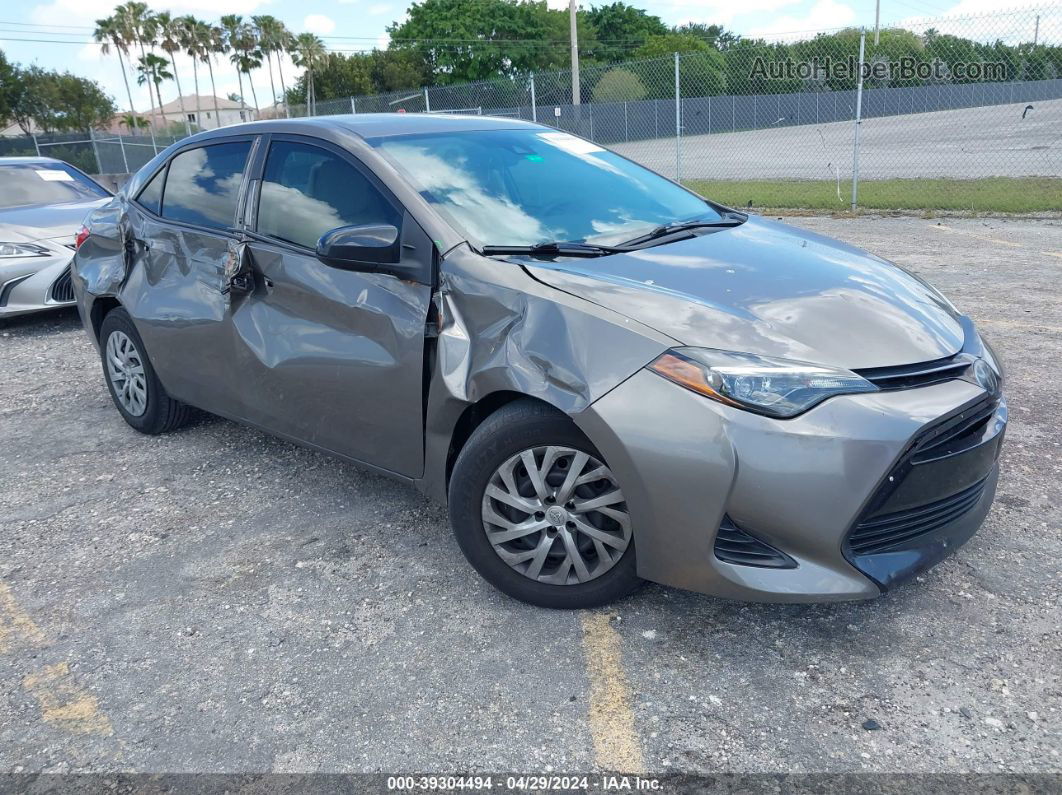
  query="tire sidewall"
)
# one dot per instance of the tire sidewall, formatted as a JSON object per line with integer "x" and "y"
{"x": 494, "y": 442}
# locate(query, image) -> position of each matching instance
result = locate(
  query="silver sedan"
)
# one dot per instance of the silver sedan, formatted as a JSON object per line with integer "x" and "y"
{"x": 42, "y": 204}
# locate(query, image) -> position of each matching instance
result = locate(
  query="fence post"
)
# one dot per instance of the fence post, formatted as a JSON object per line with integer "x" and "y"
{"x": 678, "y": 123}
{"x": 427, "y": 103}
{"x": 36, "y": 145}
{"x": 534, "y": 105}
{"x": 95, "y": 151}
{"x": 121, "y": 146}
{"x": 353, "y": 107}
{"x": 626, "y": 127}
{"x": 858, "y": 121}
{"x": 590, "y": 109}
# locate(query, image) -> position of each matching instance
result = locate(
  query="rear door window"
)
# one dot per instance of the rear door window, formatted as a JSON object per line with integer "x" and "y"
{"x": 203, "y": 186}
{"x": 307, "y": 191}
{"x": 151, "y": 196}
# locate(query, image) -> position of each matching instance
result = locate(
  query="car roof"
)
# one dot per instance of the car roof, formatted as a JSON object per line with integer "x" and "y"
{"x": 375, "y": 125}
{"x": 23, "y": 161}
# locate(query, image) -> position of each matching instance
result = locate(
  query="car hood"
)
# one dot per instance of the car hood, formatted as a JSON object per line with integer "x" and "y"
{"x": 774, "y": 290}
{"x": 44, "y": 222}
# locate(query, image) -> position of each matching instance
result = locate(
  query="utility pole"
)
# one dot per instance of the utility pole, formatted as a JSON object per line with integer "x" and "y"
{"x": 877, "y": 20}
{"x": 575, "y": 55}
{"x": 1036, "y": 30}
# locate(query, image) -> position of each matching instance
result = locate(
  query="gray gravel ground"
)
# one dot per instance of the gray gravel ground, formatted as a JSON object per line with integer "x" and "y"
{"x": 218, "y": 600}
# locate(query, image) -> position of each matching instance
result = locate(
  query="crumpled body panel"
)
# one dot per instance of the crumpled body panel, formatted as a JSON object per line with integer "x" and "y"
{"x": 101, "y": 264}
{"x": 500, "y": 330}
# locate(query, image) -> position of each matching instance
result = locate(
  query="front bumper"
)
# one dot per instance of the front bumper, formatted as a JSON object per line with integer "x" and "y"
{"x": 32, "y": 284}
{"x": 802, "y": 486}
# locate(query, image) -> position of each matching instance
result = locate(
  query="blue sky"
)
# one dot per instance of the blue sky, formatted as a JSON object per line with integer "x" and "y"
{"x": 360, "y": 24}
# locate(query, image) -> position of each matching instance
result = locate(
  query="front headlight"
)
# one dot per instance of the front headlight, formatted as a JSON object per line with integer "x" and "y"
{"x": 22, "y": 250}
{"x": 775, "y": 387}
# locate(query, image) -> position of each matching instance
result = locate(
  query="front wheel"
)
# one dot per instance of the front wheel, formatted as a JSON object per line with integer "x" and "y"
{"x": 539, "y": 514}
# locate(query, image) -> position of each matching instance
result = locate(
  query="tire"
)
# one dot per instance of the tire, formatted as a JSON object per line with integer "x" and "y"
{"x": 150, "y": 410}
{"x": 529, "y": 426}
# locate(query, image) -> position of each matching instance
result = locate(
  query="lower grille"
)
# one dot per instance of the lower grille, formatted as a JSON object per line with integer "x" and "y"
{"x": 734, "y": 545}
{"x": 956, "y": 433}
{"x": 895, "y": 531}
{"x": 63, "y": 288}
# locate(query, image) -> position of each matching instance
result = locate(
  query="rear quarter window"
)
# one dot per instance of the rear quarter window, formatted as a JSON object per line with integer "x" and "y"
{"x": 203, "y": 184}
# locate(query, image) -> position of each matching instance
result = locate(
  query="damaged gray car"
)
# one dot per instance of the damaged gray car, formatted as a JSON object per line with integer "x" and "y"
{"x": 608, "y": 378}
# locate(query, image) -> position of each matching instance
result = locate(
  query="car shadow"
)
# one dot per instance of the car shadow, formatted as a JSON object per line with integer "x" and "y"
{"x": 44, "y": 323}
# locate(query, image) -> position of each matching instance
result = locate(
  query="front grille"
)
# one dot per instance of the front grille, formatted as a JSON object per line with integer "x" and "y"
{"x": 894, "y": 531}
{"x": 63, "y": 288}
{"x": 734, "y": 545}
{"x": 956, "y": 433}
{"x": 908, "y": 376}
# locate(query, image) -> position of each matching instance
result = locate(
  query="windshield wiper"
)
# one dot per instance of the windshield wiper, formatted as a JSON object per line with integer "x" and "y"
{"x": 556, "y": 248}
{"x": 686, "y": 226}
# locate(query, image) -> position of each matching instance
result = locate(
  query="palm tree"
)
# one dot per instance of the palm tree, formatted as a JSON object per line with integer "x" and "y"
{"x": 308, "y": 52}
{"x": 248, "y": 60}
{"x": 139, "y": 22}
{"x": 171, "y": 35}
{"x": 109, "y": 34}
{"x": 132, "y": 121}
{"x": 232, "y": 25}
{"x": 189, "y": 43}
{"x": 152, "y": 69}
{"x": 272, "y": 37}
{"x": 213, "y": 43}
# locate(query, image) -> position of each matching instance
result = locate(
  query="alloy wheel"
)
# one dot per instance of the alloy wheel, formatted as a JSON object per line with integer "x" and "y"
{"x": 556, "y": 515}
{"x": 125, "y": 368}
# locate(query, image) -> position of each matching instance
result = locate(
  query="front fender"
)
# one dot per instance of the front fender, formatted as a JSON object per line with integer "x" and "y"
{"x": 500, "y": 330}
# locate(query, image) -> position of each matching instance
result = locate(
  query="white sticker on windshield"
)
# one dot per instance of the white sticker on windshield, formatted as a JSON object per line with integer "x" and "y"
{"x": 577, "y": 146}
{"x": 53, "y": 175}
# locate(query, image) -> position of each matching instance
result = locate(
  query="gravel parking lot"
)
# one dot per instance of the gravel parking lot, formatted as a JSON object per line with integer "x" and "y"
{"x": 218, "y": 600}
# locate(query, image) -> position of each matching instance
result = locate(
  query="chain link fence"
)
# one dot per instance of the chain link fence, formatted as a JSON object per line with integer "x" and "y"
{"x": 952, "y": 112}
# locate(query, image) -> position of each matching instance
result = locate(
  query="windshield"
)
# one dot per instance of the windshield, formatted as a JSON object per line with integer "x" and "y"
{"x": 24, "y": 184}
{"x": 524, "y": 187}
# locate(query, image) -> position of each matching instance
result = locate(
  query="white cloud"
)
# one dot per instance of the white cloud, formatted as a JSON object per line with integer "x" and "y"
{"x": 378, "y": 8}
{"x": 319, "y": 24}
{"x": 823, "y": 15}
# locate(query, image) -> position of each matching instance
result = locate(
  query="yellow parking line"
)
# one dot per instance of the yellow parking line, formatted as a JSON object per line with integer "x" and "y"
{"x": 64, "y": 703}
{"x": 616, "y": 746}
{"x": 16, "y": 627}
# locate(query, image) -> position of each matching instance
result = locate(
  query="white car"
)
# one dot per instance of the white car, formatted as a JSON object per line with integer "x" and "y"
{"x": 42, "y": 204}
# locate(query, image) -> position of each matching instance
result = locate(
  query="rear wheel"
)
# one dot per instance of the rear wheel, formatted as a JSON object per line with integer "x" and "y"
{"x": 135, "y": 389}
{"x": 539, "y": 514}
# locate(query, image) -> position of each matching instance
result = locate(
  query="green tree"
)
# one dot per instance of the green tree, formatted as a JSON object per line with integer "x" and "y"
{"x": 461, "y": 41}
{"x": 619, "y": 85}
{"x": 713, "y": 35}
{"x": 79, "y": 103}
{"x": 702, "y": 72}
{"x": 620, "y": 29}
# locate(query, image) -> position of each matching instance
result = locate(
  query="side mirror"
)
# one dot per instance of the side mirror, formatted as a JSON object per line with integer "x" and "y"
{"x": 360, "y": 247}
